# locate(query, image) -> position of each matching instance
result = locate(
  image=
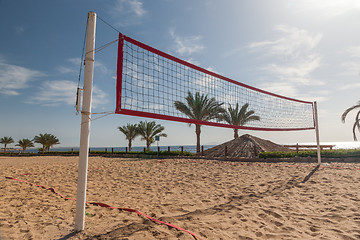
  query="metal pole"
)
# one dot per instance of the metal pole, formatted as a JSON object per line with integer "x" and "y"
{"x": 317, "y": 133}
{"x": 85, "y": 123}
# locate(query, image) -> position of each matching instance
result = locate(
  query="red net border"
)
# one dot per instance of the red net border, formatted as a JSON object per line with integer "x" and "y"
{"x": 119, "y": 110}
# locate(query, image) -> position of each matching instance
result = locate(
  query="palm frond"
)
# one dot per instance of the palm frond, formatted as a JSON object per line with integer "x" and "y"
{"x": 343, "y": 116}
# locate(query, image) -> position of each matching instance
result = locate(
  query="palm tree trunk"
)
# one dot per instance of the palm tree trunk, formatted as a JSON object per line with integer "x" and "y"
{"x": 148, "y": 145}
{"x": 236, "y": 135}
{"x": 197, "y": 131}
{"x": 130, "y": 145}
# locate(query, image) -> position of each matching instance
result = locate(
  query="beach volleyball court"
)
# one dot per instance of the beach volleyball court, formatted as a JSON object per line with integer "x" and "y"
{"x": 212, "y": 199}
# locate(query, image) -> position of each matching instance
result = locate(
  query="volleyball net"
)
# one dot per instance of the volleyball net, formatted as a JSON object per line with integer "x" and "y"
{"x": 150, "y": 81}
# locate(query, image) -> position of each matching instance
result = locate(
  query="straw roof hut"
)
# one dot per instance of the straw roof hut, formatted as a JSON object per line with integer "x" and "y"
{"x": 246, "y": 146}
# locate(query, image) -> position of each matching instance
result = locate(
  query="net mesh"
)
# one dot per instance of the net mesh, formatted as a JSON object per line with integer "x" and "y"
{"x": 150, "y": 81}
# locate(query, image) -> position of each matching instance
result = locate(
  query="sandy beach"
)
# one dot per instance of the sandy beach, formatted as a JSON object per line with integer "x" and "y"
{"x": 212, "y": 199}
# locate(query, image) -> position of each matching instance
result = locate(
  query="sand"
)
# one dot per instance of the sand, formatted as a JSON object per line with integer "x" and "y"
{"x": 213, "y": 199}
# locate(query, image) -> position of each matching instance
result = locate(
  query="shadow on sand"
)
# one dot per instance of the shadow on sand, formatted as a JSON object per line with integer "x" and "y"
{"x": 310, "y": 174}
{"x": 72, "y": 234}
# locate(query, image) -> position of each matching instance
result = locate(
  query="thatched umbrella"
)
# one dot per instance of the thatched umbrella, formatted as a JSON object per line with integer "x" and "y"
{"x": 246, "y": 146}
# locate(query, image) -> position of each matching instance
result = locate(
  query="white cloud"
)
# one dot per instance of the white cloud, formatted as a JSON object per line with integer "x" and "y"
{"x": 99, "y": 97}
{"x": 9, "y": 92}
{"x": 293, "y": 42}
{"x": 353, "y": 51}
{"x": 127, "y": 12}
{"x": 19, "y": 30}
{"x": 13, "y": 78}
{"x": 281, "y": 88}
{"x": 350, "y": 86}
{"x": 297, "y": 72}
{"x": 128, "y": 6}
{"x": 205, "y": 81}
{"x": 54, "y": 93}
{"x": 290, "y": 90}
{"x": 193, "y": 61}
{"x": 136, "y": 7}
{"x": 327, "y": 9}
{"x": 352, "y": 68}
{"x": 294, "y": 60}
{"x": 186, "y": 45}
{"x": 74, "y": 61}
{"x": 65, "y": 70}
{"x": 99, "y": 66}
{"x": 74, "y": 66}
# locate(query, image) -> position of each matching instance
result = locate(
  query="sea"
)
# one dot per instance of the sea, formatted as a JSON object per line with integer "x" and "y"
{"x": 189, "y": 148}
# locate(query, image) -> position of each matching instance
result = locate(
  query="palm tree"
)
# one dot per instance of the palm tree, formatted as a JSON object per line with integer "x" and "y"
{"x": 25, "y": 143}
{"x": 52, "y": 141}
{"x": 148, "y": 131}
{"x": 6, "y": 141}
{"x": 130, "y": 131}
{"x": 202, "y": 108}
{"x": 357, "y": 119}
{"x": 237, "y": 117}
{"x": 47, "y": 140}
{"x": 42, "y": 139}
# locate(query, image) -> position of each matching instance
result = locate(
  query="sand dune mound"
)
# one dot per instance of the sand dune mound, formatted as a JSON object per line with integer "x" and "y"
{"x": 246, "y": 146}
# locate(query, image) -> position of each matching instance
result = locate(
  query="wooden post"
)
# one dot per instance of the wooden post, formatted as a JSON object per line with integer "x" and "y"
{"x": 105, "y": 150}
{"x": 182, "y": 150}
{"x": 144, "y": 150}
{"x": 297, "y": 149}
{"x": 158, "y": 149}
{"x": 72, "y": 151}
{"x": 168, "y": 149}
{"x": 126, "y": 150}
{"x": 112, "y": 150}
{"x": 202, "y": 150}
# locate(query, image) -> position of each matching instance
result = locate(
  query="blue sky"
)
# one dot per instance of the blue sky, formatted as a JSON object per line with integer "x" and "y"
{"x": 302, "y": 49}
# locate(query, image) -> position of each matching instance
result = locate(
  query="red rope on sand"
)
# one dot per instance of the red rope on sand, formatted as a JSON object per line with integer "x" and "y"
{"x": 108, "y": 206}
{"x": 143, "y": 214}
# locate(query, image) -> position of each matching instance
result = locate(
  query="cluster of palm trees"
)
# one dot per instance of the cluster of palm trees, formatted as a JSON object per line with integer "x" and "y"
{"x": 46, "y": 140}
{"x": 201, "y": 107}
{"x": 147, "y": 131}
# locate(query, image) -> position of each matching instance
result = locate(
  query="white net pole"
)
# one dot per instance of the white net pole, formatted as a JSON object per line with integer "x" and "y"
{"x": 85, "y": 123}
{"x": 317, "y": 133}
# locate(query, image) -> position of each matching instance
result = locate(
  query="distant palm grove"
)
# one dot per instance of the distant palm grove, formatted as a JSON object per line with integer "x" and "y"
{"x": 147, "y": 130}
{"x": 46, "y": 140}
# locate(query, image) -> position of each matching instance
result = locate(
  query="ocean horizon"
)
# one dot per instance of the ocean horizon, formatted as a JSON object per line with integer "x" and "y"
{"x": 188, "y": 148}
